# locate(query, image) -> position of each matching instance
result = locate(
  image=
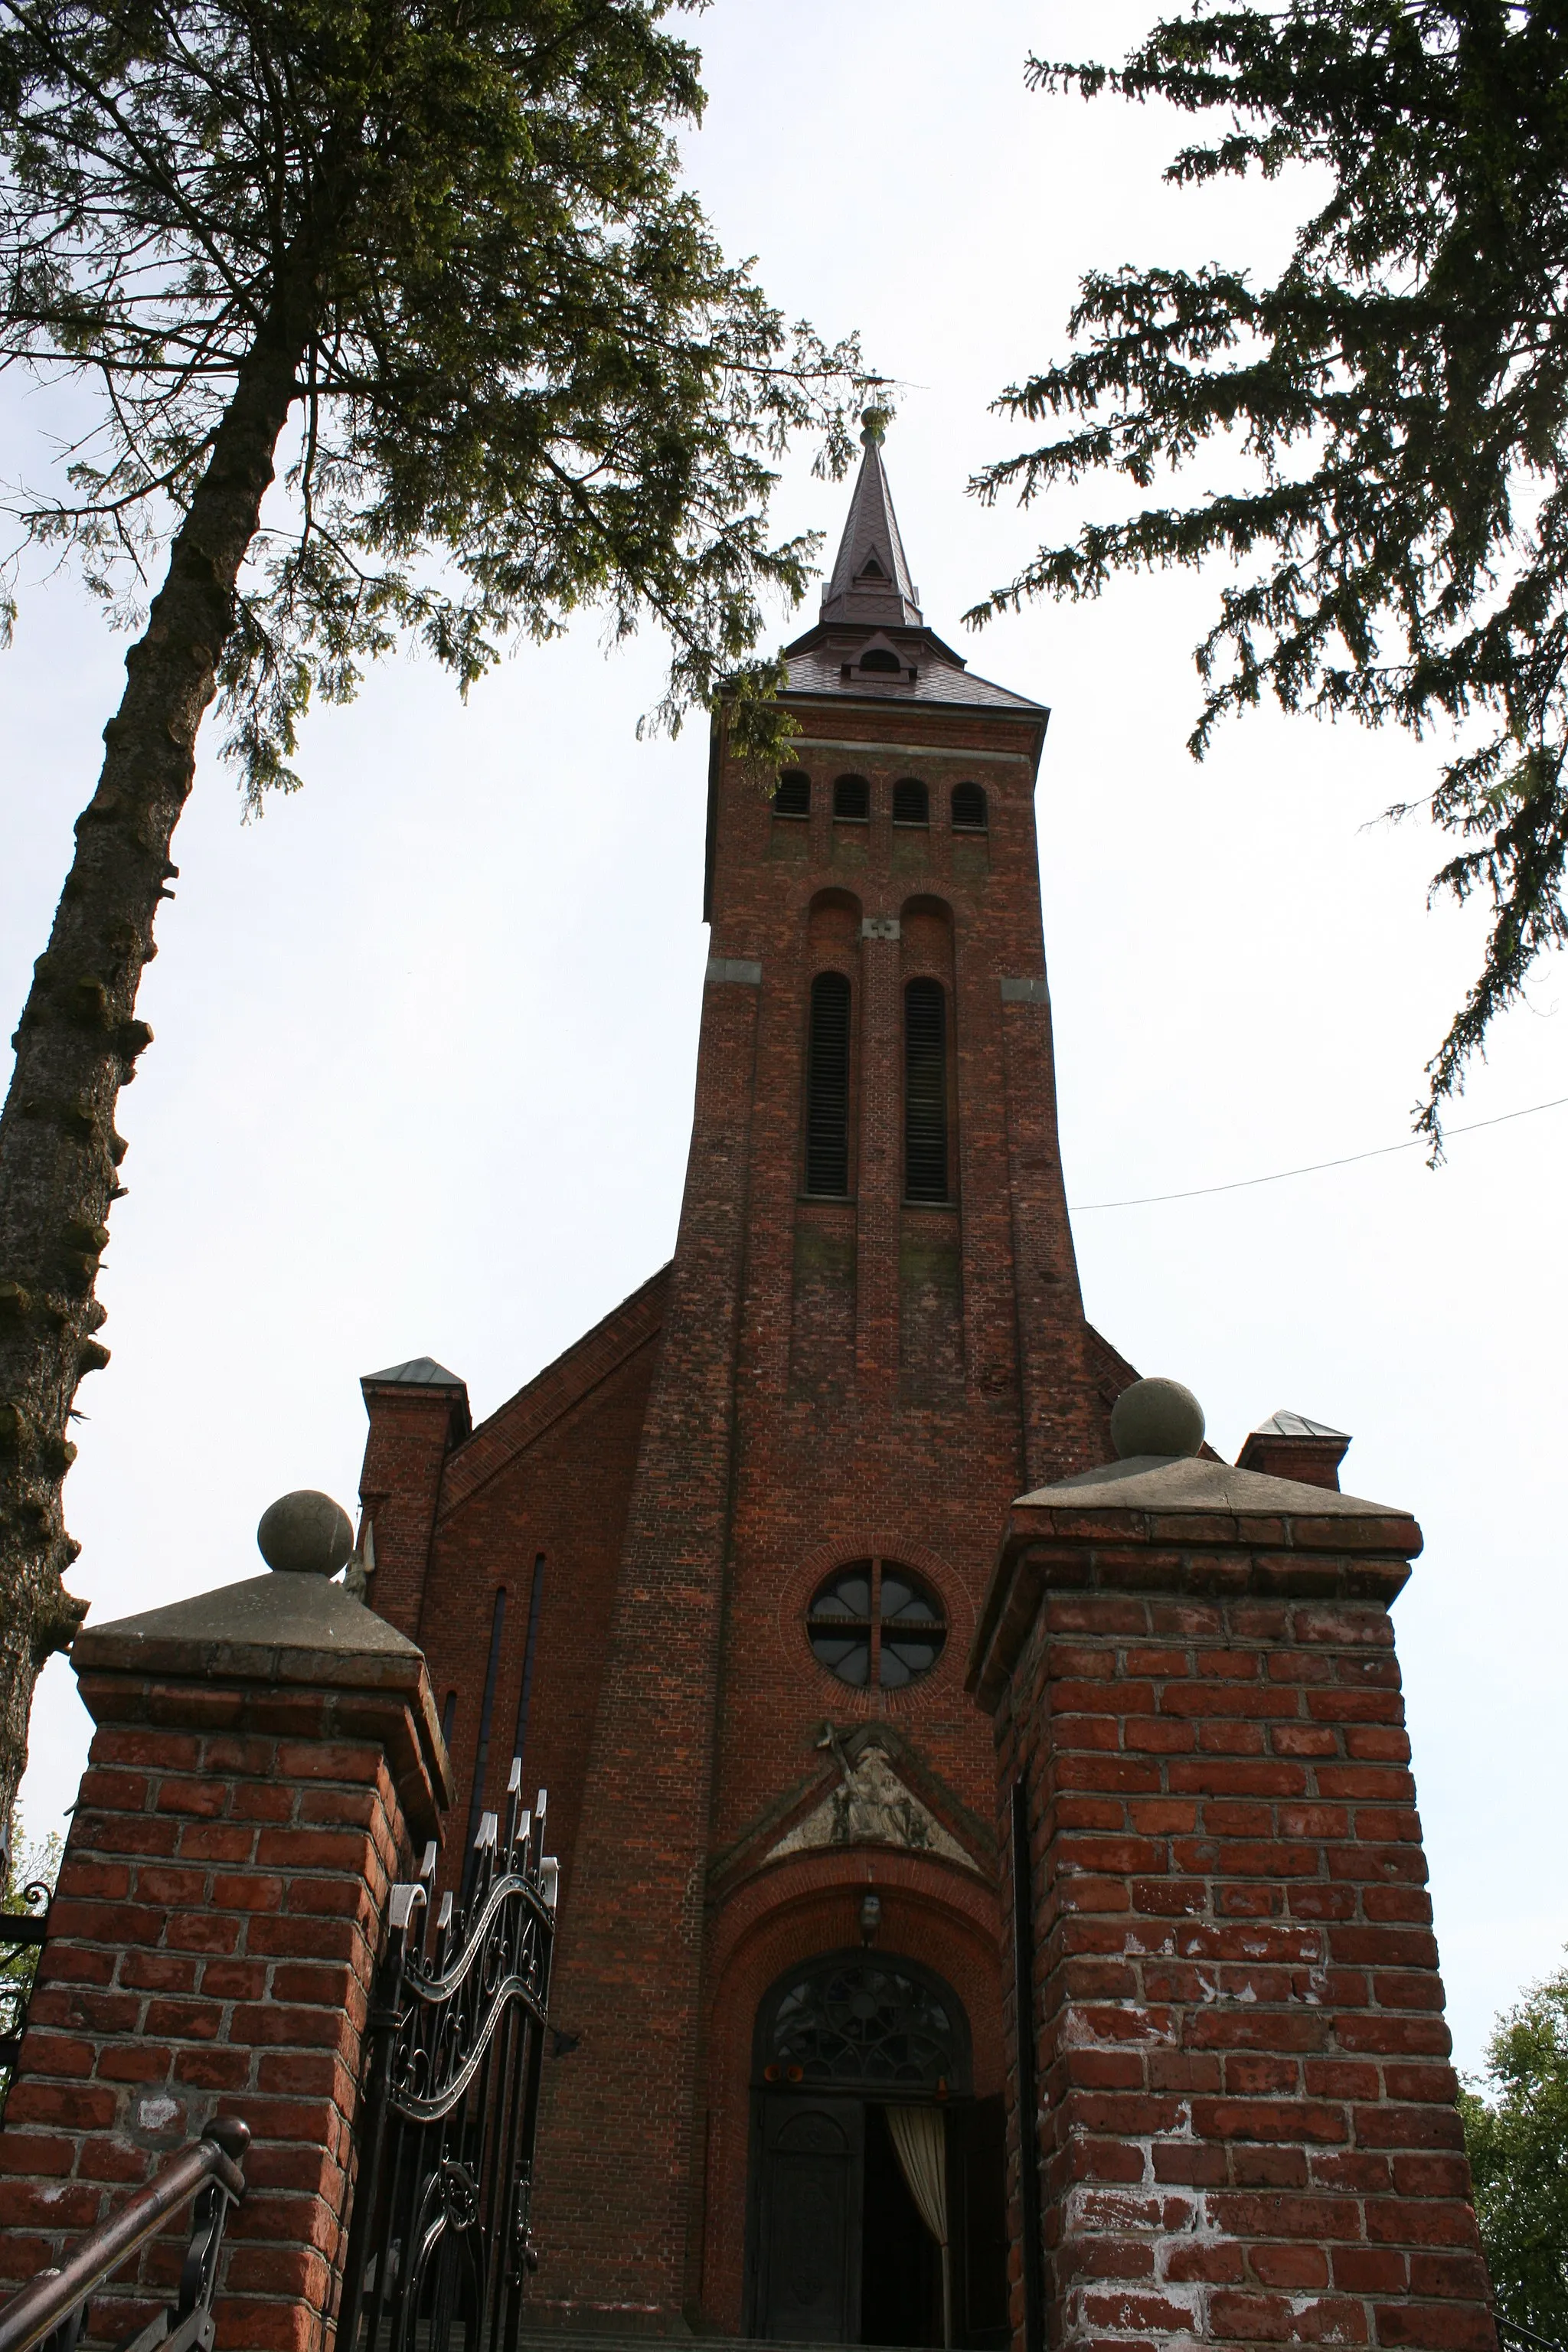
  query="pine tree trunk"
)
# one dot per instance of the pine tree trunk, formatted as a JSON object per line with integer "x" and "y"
{"x": 78, "y": 1038}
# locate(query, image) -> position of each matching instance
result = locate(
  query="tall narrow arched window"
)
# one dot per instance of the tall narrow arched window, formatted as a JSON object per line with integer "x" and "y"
{"x": 969, "y": 808}
{"x": 925, "y": 1091}
{"x": 911, "y": 802}
{"x": 852, "y": 798}
{"x": 827, "y": 1086}
{"x": 792, "y": 794}
{"x": 482, "y": 1753}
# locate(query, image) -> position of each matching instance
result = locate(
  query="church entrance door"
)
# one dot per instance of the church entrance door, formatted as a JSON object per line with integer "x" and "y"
{"x": 812, "y": 2192}
{"x": 838, "y": 2251}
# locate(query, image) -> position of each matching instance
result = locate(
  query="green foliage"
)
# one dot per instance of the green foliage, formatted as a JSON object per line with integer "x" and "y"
{"x": 531, "y": 382}
{"x": 1518, "y": 2142}
{"x": 1399, "y": 399}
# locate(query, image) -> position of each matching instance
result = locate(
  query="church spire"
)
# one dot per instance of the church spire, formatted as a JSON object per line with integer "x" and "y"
{"x": 870, "y": 582}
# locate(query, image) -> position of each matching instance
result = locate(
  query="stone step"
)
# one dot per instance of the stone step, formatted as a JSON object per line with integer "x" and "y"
{"x": 594, "y": 2339}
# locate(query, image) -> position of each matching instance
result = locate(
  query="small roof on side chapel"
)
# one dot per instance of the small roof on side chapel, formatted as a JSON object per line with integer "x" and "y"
{"x": 1286, "y": 1424}
{"x": 418, "y": 1372}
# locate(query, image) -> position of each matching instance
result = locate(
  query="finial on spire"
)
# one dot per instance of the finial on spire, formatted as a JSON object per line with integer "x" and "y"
{"x": 874, "y": 423}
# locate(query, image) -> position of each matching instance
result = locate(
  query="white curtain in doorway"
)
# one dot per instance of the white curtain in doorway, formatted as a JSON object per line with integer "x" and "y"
{"x": 919, "y": 2141}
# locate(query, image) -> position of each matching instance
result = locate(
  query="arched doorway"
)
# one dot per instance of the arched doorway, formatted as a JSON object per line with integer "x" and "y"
{"x": 838, "y": 2251}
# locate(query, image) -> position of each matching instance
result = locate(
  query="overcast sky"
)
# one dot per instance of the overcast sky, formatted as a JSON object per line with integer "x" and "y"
{"x": 425, "y": 1036}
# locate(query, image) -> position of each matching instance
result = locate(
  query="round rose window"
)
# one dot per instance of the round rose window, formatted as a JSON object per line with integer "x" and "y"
{"x": 875, "y": 1626}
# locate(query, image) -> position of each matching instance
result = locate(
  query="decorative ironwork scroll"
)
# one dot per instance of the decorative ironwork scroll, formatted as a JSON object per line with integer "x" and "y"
{"x": 22, "y": 1934}
{"x": 440, "y": 2250}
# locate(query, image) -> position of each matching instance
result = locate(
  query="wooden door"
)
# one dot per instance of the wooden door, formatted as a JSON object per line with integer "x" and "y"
{"x": 809, "y": 2243}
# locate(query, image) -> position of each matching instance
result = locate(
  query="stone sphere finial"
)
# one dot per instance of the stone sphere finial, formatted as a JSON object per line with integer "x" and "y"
{"x": 874, "y": 423}
{"x": 1156, "y": 1416}
{"x": 305, "y": 1534}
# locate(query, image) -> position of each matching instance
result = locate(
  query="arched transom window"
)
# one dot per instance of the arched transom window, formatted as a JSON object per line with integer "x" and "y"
{"x": 861, "y": 2021}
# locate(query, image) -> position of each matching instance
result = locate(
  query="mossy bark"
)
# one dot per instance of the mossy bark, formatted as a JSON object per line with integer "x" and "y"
{"x": 79, "y": 1038}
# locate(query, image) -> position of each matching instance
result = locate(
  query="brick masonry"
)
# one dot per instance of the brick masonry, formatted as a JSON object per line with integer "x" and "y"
{"x": 810, "y": 1381}
{"x": 816, "y": 1380}
{"x": 219, "y": 1912}
{"x": 1246, "y": 2128}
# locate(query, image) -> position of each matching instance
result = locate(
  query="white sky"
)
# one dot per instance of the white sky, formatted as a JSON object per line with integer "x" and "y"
{"x": 425, "y": 1036}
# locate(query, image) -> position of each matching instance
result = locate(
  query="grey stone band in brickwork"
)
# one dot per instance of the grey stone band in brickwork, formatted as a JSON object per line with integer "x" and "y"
{"x": 737, "y": 969}
{"x": 893, "y": 755}
{"x": 1024, "y": 991}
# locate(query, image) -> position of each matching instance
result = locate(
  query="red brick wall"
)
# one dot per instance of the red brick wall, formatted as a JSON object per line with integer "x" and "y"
{"x": 549, "y": 1476}
{"x": 411, "y": 1432}
{"x": 813, "y": 1381}
{"x": 615, "y": 2207}
{"x": 210, "y": 1952}
{"x": 792, "y": 1426}
{"x": 1247, "y": 2128}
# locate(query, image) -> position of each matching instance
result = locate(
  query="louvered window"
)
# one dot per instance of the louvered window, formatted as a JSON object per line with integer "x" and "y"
{"x": 852, "y": 798}
{"x": 911, "y": 802}
{"x": 880, "y": 658}
{"x": 827, "y": 1086}
{"x": 792, "y": 796}
{"x": 968, "y": 808}
{"x": 925, "y": 1091}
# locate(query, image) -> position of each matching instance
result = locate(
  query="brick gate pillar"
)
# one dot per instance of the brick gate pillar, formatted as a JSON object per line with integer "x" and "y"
{"x": 265, "y": 1761}
{"x": 1243, "y": 2128}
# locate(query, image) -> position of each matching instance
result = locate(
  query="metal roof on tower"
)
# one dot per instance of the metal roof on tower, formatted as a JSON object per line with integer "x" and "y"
{"x": 870, "y": 582}
{"x": 871, "y": 638}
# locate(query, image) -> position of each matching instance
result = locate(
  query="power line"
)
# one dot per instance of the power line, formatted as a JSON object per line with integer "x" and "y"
{"x": 1281, "y": 1175}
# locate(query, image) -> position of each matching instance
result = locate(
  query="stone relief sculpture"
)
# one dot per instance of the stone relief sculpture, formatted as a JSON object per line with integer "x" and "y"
{"x": 871, "y": 1806}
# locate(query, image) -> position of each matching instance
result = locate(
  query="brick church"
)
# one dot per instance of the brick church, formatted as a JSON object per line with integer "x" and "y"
{"x": 714, "y": 1572}
{"x": 992, "y": 1904}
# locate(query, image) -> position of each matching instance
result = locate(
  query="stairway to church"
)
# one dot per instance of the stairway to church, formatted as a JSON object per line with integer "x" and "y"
{"x": 560, "y": 2339}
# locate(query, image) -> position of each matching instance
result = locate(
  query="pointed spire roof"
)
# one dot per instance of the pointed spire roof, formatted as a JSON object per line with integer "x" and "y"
{"x": 870, "y": 581}
{"x": 871, "y": 642}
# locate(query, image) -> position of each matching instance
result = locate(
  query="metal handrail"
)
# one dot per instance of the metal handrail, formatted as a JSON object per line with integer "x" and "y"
{"x": 49, "y": 2301}
{"x": 1516, "y": 2331}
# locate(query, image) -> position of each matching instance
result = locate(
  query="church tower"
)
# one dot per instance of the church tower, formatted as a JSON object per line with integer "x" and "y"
{"x": 720, "y": 1566}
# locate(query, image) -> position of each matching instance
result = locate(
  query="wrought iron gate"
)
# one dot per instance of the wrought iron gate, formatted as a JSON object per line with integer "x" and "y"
{"x": 438, "y": 2248}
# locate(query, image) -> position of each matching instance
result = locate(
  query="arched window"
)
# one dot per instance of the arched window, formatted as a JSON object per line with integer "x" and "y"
{"x": 792, "y": 795}
{"x": 968, "y": 808}
{"x": 880, "y": 657}
{"x": 911, "y": 802}
{"x": 852, "y": 798}
{"x": 857, "y": 2021}
{"x": 925, "y": 1091}
{"x": 827, "y": 1087}
{"x": 487, "y": 1709}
